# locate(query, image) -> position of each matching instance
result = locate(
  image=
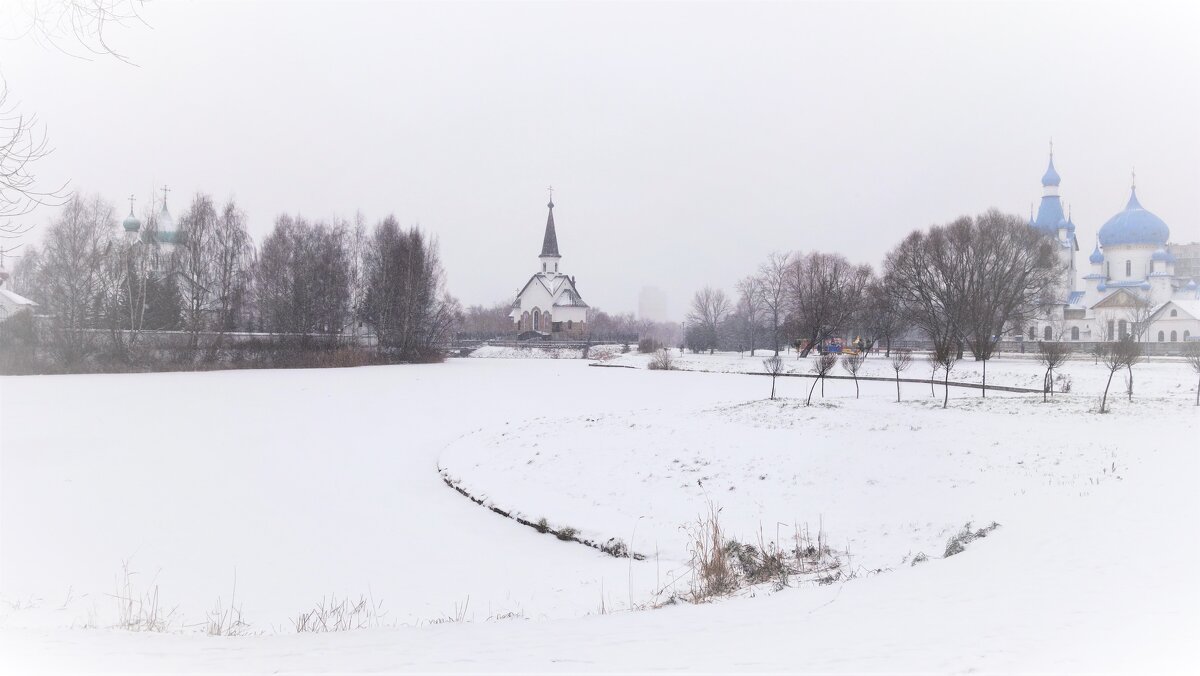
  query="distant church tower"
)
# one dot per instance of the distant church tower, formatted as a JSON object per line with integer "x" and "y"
{"x": 1053, "y": 222}
{"x": 549, "y": 304}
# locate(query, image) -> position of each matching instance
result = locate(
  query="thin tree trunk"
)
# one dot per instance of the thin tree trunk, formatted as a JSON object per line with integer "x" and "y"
{"x": 772, "y": 387}
{"x": 810, "y": 393}
{"x": 897, "y": 387}
{"x": 985, "y": 379}
{"x": 1104, "y": 399}
{"x": 856, "y": 386}
{"x": 946, "y": 401}
{"x": 1129, "y": 369}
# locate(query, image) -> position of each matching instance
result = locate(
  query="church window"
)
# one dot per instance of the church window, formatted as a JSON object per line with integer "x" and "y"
{"x": 543, "y": 266}
{"x": 1122, "y": 329}
{"x": 1187, "y": 334}
{"x": 1047, "y": 334}
{"x": 1174, "y": 313}
{"x": 1032, "y": 333}
{"x": 1107, "y": 270}
{"x": 1074, "y": 333}
{"x": 1128, "y": 268}
{"x": 1111, "y": 330}
{"x": 1174, "y": 337}
{"x": 1161, "y": 336}
{"x": 570, "y": 324}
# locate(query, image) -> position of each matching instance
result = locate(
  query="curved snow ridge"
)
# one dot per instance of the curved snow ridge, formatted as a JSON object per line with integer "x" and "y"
{"x": 614, "y": 547}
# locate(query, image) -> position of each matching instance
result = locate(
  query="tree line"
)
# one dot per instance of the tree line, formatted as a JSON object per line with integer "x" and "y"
{"x": 103, "y": 290}
{"x": 960, "y": 286}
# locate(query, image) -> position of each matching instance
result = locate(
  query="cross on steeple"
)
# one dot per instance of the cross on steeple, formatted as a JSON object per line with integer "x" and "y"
{"x": 1133, "y": 178}
{"x": 131, "y": 199}
{"x": 1051, "y": 147}
{"x": 551, "y": 189}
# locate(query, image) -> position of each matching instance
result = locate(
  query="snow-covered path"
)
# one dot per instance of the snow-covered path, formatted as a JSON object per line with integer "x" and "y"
{"x": 317, "y": 482}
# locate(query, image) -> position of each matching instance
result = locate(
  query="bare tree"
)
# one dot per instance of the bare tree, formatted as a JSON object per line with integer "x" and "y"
{"x": 1012, "y": 274}
{"x": 1053, "y": 354}
{"x": 901, "y": 360}
{"x": 405, "y": 297}
{"x": 303, "y": 277}
{"x": 1138, "y": 313}
{"x": 946, "y": 356}
{"x": 823, "y": 363}
{"x": 1117, "y": 355}
{"x": 63, "y": 24}
{"x": 197, "y": 264}
{"x": 882, "y": 316}
{"x": 852, "y": 364}
{"x": 825, "y": 292}
{"x": 774, "y": 367}
{"x": 233, "y": 254}
{"x": 748, "y": 313}
{"x": 928, "y": 274}
{"x": 771, "y": 284}
{"x": 73, "y": 274}
{"x": 710, "y": 309}
{"x": 1191, "y": 352}
{"x": 23, "y": 142}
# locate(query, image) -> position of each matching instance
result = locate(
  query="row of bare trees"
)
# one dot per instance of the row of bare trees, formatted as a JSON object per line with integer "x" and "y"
{"x": 960, "y": 286}
{"x": 206, "y": 276}
{"x": 805, "y": 298}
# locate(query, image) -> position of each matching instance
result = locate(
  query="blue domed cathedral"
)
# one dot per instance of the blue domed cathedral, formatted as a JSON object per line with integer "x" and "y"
{"x": 1137, "y": 282}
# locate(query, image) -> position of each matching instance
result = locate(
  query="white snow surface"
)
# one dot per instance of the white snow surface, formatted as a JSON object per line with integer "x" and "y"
{"x": 311, "y": 482}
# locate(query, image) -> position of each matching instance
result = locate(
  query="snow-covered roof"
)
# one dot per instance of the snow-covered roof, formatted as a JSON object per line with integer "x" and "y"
{"x": 1190, "y": 307}
{"x": 16, "y": 298}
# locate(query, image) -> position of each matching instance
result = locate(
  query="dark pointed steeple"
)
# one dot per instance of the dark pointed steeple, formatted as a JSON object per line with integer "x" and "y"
{"x": 550, "y": 240}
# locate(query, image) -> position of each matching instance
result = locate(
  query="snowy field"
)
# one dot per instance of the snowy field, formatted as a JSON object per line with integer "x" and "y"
{"x": 306, "y": 484}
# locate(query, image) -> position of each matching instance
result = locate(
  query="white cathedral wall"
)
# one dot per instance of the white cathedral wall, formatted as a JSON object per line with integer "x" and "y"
{"x": 1138, "y": 256}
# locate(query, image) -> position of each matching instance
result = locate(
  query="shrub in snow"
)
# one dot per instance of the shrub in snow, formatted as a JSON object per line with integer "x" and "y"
{"x": 334, "y": 614}
{"x": 566, "y": 533}
{"x": 958, "y": 543}
{"x": 615, "y": 547}
{"x": 542, "y": 525}
{"x": 662, "y": 361}
{"x": 649, "y": 345}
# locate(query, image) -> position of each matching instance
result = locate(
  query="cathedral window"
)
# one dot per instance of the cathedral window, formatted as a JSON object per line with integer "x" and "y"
{"x": 1074, "y": 333}
{"x": 1174, "y": 313}
{"x": 1032, "y": 333}
{"x": 1047, "y": 334}
{"x": 1174, "y": 337}
{"x": 1161, "y": 336}
{"x": 1128, "y": 268}
{"x": 1122, "y": 329}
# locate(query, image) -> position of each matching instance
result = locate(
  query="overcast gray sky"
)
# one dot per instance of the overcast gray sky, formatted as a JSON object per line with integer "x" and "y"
{"x": 684, "y": 141}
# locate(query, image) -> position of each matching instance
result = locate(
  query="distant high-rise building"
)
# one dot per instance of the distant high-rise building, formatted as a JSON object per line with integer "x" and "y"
{"x": 652, "y": 304}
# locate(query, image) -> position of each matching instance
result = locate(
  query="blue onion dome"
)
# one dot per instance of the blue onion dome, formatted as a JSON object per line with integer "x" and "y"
{"x": 1051, "y": 176}
{"x": 1134, "y": 225}
{"x": 1144, "y": 286}
{"x": 131, "y": 223}
{"x": 1096, "y": 258}
{"x": 1160, "y": 255}
{"x": 1102, "y": 287}
{"x": 1191, "y": 285}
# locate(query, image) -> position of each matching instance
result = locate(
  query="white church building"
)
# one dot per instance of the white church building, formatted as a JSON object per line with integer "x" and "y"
{"x": 549, "y": 304}
{"x": 1130, "y": 287}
